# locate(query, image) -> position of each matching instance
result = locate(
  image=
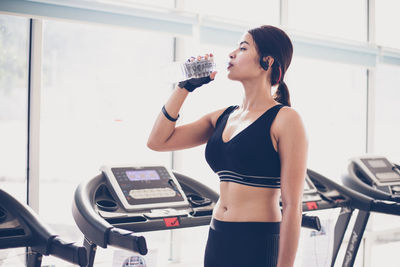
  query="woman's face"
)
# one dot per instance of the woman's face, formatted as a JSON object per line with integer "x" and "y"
{"x": 244, "y": 60}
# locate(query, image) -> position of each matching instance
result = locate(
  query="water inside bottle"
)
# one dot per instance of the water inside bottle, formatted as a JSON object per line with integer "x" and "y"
{"x": 180, "y": 71}
{"x": 198, "y": 68}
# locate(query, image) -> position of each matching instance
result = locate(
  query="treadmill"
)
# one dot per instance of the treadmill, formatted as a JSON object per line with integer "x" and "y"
{"x": 111, "y": 208}
{"x": 21, "y": 227}
{"x": 374, "y": 176}
{"x": 334, "y": 195}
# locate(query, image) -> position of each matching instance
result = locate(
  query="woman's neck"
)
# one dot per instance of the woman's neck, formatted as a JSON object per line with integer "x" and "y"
{"x": 257, "y": 95}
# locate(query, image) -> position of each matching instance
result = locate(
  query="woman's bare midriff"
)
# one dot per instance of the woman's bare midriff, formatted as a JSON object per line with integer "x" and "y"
{"x": 241, "y": 203}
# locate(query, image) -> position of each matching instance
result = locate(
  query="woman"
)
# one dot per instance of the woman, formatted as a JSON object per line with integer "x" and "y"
{"x": 258, "y": 150}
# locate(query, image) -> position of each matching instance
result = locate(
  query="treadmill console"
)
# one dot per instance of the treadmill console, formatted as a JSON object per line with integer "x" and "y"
{"x": 378, "y": 171}
{"x": 139, "y": 188}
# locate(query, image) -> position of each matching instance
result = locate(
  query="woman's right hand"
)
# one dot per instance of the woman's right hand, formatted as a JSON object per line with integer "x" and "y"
{"x": 194, "y": 83}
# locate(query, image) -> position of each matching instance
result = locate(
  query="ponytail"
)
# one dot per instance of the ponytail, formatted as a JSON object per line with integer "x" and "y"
{"x": 282, "y": 94}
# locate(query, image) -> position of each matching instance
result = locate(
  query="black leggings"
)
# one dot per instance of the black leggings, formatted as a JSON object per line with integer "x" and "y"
{"x": 242, "y": 244}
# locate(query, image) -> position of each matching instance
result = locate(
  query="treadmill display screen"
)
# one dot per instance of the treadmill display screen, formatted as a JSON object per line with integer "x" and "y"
{"x": 142, "y": 175}
{"x": 377, "y": 163}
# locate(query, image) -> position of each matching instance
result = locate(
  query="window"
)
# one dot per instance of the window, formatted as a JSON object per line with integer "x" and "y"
{"x": 331, "y": 99}
{"x": 101, "y": 95}
{"x": 387, "y": 130}
{"x": 386, "y": 143}
{"x": 387, "y": 22}
{"x": 14, "y": 43}
{"x": 252, "y": 11}
{"x": 103, "y": 87}
{"x": 14, "y": 48}
{"x": 339, "y": 18}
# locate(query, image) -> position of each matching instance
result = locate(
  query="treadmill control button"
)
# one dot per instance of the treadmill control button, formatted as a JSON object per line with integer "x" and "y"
{"x": 163, "y": 213}
{"x": 152, "y": 193}
{"x": 387, "y": 176}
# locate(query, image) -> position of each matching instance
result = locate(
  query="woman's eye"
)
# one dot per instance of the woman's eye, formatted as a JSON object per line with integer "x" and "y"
{"x": 242, "y": 48}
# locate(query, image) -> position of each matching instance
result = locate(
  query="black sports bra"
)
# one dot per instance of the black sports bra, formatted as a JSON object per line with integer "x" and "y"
{"x": 249, "y": 158}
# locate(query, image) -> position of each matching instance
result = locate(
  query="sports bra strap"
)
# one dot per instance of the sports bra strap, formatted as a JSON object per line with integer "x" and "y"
{"x": 226, "y": 111}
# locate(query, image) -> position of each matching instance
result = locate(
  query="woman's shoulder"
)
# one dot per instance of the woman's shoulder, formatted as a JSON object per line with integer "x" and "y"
{"x": 218, "y": 114}
{"x": 289, "y": 113}
{"x": 288, "y": 119}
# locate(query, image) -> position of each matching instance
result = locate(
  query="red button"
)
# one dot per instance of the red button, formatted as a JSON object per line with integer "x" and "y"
{"x": 312, "y": 205}
{"x": 171, "y": 222}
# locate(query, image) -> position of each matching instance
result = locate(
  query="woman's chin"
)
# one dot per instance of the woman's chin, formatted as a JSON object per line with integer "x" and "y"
{"x": 231, "y": 77}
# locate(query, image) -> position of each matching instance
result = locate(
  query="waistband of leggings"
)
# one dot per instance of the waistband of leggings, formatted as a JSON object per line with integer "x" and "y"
{"x": 259, "y": 227}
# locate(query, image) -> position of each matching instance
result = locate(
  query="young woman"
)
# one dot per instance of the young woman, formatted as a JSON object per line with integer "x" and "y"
{"x": 258, "y": 150}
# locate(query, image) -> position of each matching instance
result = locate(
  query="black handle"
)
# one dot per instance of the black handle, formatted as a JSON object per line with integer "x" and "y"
{"x": 386, "y": 207}
{"x": 68, "y": 251}
{"x": 127, "y": 240}
{"x": 311, "y": 222}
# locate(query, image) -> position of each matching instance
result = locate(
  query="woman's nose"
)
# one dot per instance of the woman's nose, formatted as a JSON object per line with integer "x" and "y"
{"x": 232, "y": 55}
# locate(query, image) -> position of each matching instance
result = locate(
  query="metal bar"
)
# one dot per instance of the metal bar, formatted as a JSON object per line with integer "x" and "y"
{"x": 355, "y": 238}
{"x": 91, "y": 251}
{"x": 159, "y": 21}
{"x": 370, "y": 131}
{"x": 340, "y": 229}
{"x": 370, "y": 110}
{"x": 34, "y": 87}
{"x": 371, "y": 29}
{"x": 34, "y": 259}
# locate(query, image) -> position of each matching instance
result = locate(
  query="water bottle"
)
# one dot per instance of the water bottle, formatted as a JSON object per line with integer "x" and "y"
{"x": 194, "y": 67}
{"x": 199, "y": 67}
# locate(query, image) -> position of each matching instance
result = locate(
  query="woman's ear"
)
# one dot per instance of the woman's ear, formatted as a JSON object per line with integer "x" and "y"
{"x": 270, "y": 60}
{"x": 266, "y": 61}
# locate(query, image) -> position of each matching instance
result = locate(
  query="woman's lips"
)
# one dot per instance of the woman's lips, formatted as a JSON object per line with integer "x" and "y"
{"x": 230, "y": 65}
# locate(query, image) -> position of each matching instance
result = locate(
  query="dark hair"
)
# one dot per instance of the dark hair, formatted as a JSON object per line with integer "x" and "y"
{"x": 272, "y": 41}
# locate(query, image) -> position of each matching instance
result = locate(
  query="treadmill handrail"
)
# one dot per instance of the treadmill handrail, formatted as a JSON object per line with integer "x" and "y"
{"x": 41, "y": 232}
{"x": 127, "y": 240}
{"x": 358, "y": 200}
{"x": 311, "y": 222}
{"x": 385, "y": 207}
{"x": 94, "y": 227}
{"x": 42, "y": 239}
{"x": 83, "y": 213}
{"x": 68, "y": 251}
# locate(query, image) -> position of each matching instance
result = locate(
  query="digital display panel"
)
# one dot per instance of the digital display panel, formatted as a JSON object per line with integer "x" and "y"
{"x": 142, "y": 175}
{"x": 377, "y": 163}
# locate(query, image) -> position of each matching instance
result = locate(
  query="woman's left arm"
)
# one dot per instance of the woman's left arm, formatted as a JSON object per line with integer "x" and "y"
{"x": 292, "y": 147}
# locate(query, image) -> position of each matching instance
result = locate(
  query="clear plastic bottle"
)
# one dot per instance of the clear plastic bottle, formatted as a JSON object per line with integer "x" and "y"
{"x": 198, "y": 67}
{"x": 191, "y": 68}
